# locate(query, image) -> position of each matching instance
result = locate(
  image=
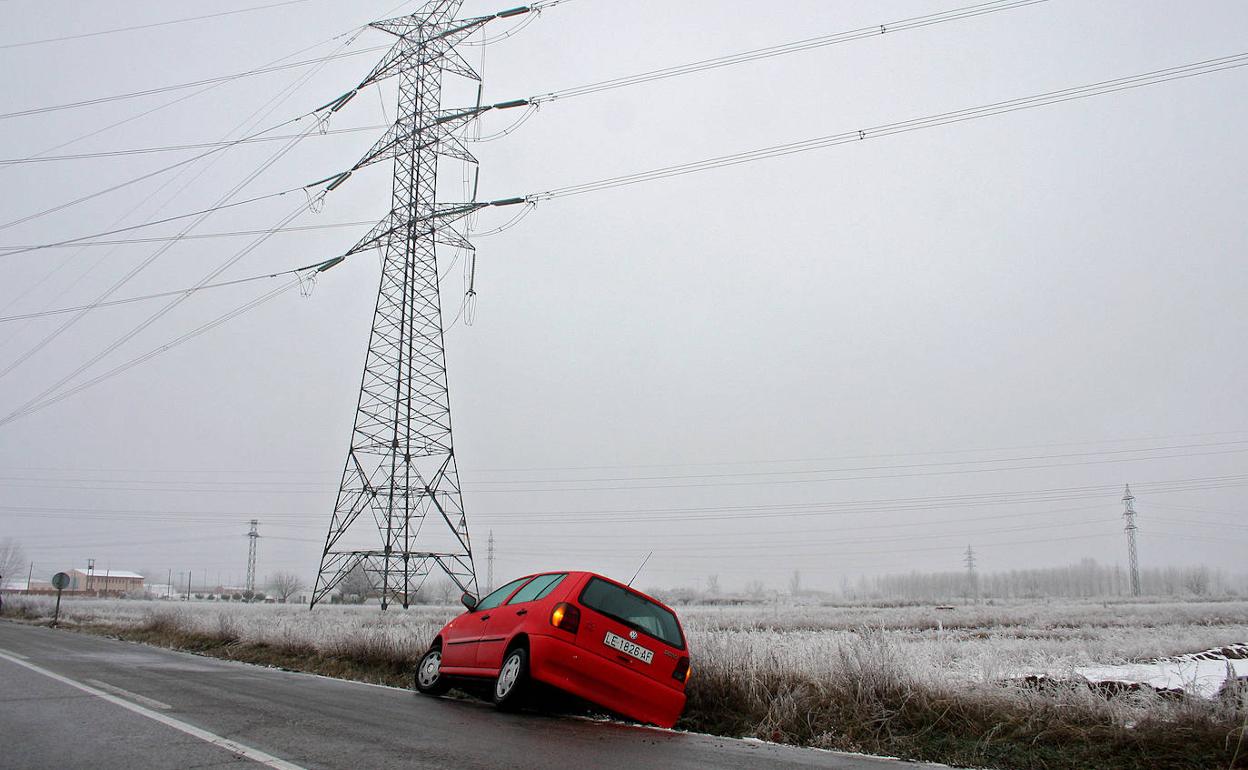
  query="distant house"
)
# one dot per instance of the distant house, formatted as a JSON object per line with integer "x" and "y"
{"x": 105, "y": 582}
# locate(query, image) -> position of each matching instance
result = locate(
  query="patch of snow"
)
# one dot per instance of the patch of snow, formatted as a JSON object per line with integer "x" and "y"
{"x": 1199, "y": 677}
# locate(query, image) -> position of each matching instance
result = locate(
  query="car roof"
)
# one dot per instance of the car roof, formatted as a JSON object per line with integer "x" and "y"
{"x": 625, "y": 586}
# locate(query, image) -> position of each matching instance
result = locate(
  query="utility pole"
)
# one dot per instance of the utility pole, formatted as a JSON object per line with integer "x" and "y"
{"x": 400, "y": 478}
{"x": 252, "y": 536}
{"x": 971, "y": 582}
{"x": 489, "y": 573}
{"x": 90, "y": 574}
{"x": 1128, "y": 515}
{"x": 169, "y": 585}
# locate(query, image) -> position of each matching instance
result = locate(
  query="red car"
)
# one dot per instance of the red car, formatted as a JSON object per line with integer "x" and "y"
{"x": 576, "y": 631}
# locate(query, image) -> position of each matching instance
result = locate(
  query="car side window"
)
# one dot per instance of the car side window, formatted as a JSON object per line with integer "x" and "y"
{"x": 539, "y": 588}
{"x": 497, "y": 596}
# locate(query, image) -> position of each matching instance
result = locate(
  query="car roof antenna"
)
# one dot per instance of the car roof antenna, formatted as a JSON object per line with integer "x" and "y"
{"x": 638, "y": 572}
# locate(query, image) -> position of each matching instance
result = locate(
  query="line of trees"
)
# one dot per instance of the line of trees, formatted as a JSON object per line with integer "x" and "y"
{"x": 1086, "y": 579}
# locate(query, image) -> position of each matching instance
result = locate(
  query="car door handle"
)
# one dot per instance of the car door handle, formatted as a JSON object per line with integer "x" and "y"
{"x": 522, "y": 612}
{"x": 485, "y": 617}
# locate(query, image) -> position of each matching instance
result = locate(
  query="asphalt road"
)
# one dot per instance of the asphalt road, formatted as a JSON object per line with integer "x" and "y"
{"x": 75, "y": 700}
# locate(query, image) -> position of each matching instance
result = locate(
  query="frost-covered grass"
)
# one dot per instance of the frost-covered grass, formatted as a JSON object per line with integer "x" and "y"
{"x": 911, "y": 681}
{"x": 975, "y": 642}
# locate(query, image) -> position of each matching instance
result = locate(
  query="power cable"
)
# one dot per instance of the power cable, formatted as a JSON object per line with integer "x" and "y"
{"x": 185, "y": 291}
{"x": 257, "y": 116}
{"x": 46, "y": 398}
{"x": 149, "y": 175}
{"x": 997, "y": 108}
{"x": 36, "y": 405}
{"x": 1024, "y": 458}
{"x": 875, "y": 30}
{"x": 213, "y": 81}
{"x": 350, "y": 35}
{"x": 116, "y": 30}
{"x": 87, "y": 240}
{"x": 621, "y": 82}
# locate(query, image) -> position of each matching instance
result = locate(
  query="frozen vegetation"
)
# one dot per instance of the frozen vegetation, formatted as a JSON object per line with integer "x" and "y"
{"x": 960, "y": 684}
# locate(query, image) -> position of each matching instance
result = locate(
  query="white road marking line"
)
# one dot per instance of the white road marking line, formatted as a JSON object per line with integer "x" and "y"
{"x": 13, "y": 654}
{"x": 134, "y": 696}
{"x": 233, "y": 746}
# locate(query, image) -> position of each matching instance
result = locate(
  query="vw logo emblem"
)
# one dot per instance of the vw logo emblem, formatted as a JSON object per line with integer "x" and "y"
{"x": 632, "y": 635}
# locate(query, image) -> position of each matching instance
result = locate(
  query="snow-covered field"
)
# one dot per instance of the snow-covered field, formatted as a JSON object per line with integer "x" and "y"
{"x": 970, "y": 643}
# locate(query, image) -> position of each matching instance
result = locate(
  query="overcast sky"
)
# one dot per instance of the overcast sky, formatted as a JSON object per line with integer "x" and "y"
{"x": 851, "y": 361}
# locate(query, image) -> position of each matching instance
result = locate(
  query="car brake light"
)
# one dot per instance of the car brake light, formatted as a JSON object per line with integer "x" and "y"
{"x": 566, "y": 617}
{"x": 682, "y": 670}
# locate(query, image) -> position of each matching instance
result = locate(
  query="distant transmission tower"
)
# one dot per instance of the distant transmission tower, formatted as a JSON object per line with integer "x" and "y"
{"x": 971, "y": 582}
{"x": 252, "y": 537}
{"x": 1129, "y": 515}
{"x": 400, "y": 466}
{"x": 489, "y": 573}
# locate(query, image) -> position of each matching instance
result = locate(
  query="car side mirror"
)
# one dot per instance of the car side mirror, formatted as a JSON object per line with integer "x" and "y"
{"x": 469, "y": 601}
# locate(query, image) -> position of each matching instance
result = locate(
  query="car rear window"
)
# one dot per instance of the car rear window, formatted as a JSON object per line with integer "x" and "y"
{"x": 538, "y": 588}
{"x": 633, "y": 610}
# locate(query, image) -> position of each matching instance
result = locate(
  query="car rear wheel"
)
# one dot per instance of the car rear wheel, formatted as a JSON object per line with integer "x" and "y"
{"x": 429, "y": 679}
{"x": 512, "y": 679}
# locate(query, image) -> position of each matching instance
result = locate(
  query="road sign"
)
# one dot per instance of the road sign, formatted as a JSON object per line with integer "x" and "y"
{"x": 59, "y": 581}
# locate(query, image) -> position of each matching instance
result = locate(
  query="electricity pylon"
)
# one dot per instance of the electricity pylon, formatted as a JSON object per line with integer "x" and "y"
{"x": 400, "y": 466}
{"x": 252, "y": 536}
{"x": 1129, "y": 515}
{"x": 971, "y": 583}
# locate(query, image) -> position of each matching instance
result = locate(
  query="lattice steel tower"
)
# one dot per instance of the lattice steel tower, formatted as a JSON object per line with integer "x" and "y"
{"x": 400, "y": 468}
{"x": 252, "y": 536}
{"x": 1129, "y": 515}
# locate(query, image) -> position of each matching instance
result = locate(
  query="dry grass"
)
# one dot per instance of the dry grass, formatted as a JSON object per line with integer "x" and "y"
{"x": 907, "y": 681}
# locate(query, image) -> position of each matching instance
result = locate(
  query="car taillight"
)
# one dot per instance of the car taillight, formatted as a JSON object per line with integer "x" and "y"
{"x": 566, "y": 617}
{"x": 682, "y": 670}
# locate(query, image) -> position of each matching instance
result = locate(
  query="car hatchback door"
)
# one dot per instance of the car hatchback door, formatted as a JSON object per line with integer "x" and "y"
{"x": 629, "y": 629}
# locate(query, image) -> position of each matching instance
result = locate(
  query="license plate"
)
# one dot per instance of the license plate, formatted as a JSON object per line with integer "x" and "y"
{"x": 628, "y": 648}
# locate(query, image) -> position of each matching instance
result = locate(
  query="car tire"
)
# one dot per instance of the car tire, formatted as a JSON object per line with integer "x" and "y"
{"x": 428, "y": 677}
{"x": 513, "y": 680}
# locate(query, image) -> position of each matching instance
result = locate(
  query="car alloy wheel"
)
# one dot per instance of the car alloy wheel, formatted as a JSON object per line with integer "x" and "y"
{"x": 511, "y": 678}
{"x": 429, "y": 679}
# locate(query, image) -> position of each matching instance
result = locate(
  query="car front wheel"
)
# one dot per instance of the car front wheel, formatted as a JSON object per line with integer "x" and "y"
{"x": 512, "y": 679}
{"x": 429, "y": 679}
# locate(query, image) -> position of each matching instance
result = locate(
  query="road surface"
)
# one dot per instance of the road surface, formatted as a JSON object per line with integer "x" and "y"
{"x": 76, "y": 700}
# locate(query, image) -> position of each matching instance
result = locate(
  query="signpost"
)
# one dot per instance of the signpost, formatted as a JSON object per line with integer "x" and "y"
{"x": 59, "y": 581}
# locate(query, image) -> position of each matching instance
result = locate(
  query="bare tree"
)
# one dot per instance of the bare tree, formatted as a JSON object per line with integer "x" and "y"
{"x": 285, "y": 585}
{"x": 12, "y": 558}
{"x": 356, "y": 585}
{"x": 712, "y": 585}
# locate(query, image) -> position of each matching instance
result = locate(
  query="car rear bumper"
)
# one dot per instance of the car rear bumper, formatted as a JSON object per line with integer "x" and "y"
{"x": 562, "y": 664}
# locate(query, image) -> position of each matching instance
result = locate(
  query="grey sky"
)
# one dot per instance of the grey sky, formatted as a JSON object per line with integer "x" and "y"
{"x": 1058, "y": 284}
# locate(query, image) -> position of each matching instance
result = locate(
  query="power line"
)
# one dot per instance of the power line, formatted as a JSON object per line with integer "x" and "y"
{"x": 36, "y": 405}
{"x": 350, "y": 35}
{"x": 320, "y": 267}
{"x": 82, "y": 241}
{"x": 807, "y": 44}
{"x": 257, "y": 116}
{"x": 178, "y": 147}
{"x": 997, "y": 108}
{"x": 189, "y": 237}
{"x": 875, "y": 30}
{"x": 213, "y": 81}
{"x": 116, "y": 30}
